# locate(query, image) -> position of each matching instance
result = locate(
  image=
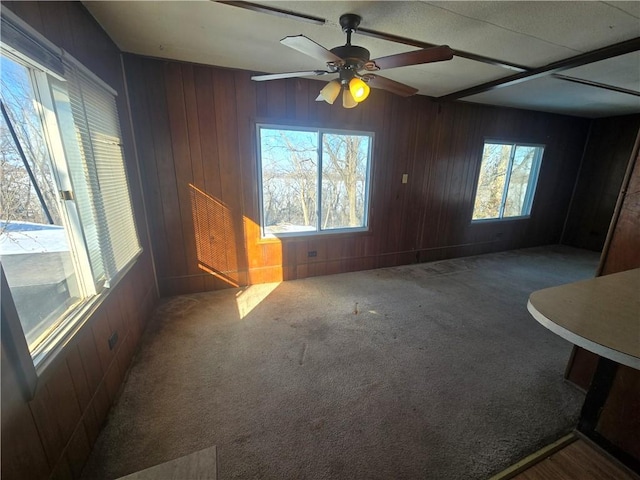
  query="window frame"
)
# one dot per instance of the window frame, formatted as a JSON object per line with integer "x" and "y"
{"x": 531, "y": 191}
{"x": 318, "y": 229}
{"x": 45, "y": 61}
{"x": 54, "y": 142}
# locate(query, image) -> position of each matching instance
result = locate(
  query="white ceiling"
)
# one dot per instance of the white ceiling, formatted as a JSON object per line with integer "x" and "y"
{"x": 530, "y": 34}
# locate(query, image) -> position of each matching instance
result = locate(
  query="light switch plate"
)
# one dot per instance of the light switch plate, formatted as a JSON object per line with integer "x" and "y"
{"x": 405, "y": 177}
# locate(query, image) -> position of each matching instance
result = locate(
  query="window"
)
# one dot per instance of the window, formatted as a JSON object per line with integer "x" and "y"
{"x": 67, "y": 231}
{"x": 507, "y": 180}
{"x": 313, "y": 181}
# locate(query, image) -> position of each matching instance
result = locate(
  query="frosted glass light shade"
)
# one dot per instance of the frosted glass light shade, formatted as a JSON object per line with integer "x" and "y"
{"x": 330, "y": 92}
{"x": 347, "y": 99}
{"x": 359, "y": 89}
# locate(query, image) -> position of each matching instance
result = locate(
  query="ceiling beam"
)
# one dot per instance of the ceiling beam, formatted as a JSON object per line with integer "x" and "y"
{"x": 555, "y": 67}
{"x": 278, "y": 12}
{"x": 591, "y": 83}
{"x": 458, "y": 53}
{"x": 255, "y": 7}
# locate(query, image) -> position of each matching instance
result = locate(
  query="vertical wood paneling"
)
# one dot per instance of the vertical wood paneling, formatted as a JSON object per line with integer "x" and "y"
{"x": 91, "y": 423}
{"x": 90, "y": 359}
{"x": 178, "y": 127}
{"x": 78, "y": 450}
{"x": 78, "y": 377}
{"x": 618, "y": 421}
{"x": 623, "y": 252}
{"x": 606, "y": 157}
{"x": 63, "y": 398}
{"x": 140, "y": 114}
{"x": 44, "y": 415}
{"x": 22, "y": 447}
{"x": 385, "y": 187}
{"x": 209, "y": 133}
{"x": 438, "y": 145}
{"x": 62, "y": 471}
{"x": 230, "y": 171}
{"x": 166, "y": 170}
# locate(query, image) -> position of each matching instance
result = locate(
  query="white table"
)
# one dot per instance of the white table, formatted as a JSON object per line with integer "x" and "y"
{"x": 601, "y": 314}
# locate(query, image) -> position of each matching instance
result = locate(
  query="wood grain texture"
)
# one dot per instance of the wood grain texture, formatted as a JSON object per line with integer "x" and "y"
{"x": 577, "y": 461}
{"x": 51, "y": 435}
{"x": 581, "y": 367}
{"x": 606, "y": 157}
{"x": 593, "y": 203}
{"x": 25, "y": 452}
{"x": 620, "y": 418}
{"x": 206, "y": 116}
{"x": 619, "y": 421}
{"x": 624, "y": 252}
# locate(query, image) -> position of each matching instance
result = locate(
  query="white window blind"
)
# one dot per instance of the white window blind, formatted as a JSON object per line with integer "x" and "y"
{"x": 108, "y": 222}
{"x": 74, "y": 135}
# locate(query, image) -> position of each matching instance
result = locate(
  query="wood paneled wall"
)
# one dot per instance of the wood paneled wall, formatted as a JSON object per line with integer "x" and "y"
{"x": 619, "y": 420}
{"x": 623, "y": 251}
{"x": 605, "y": 161}
{"x": 195, "y": 127}
{"x": 610, "y": 140}
{"x": 51, "y": 435}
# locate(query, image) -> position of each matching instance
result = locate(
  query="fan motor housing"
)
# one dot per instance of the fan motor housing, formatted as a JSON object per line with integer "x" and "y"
{"x": 353, "y": 56}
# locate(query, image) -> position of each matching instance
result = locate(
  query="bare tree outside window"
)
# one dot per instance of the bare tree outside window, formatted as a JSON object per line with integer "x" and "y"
{"x": 344, "y": 177}
{"x": 507, "y": 180}
{"x": 313, "y": 180}
{"x": 18, "y": 199}
{"x": 34, "y": 247}
{"x": 519, "y": 181}
{"x": 289, "y": 179}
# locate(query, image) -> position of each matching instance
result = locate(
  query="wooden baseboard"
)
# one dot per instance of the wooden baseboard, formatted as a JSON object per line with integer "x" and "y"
{"x": 534, "y": 458}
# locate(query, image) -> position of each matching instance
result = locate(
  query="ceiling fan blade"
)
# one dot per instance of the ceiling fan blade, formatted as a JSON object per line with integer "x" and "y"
{"x": 392, "y": 86}
{"x": 278, "y": 76}
{"x": 416, "y": 57}
{"x": 309, "y": 47}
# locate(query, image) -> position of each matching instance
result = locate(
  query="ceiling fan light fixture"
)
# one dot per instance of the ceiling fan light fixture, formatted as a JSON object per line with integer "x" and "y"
{"x": 330, "y": 92}
{"x": 347, "y": 99}
{"x": 359, "y": 89}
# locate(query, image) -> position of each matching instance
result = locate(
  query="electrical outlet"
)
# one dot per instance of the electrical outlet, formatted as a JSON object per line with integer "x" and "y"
{"x": 312, "y": 253}
{"x": 113, "y": 340}
{"x": 405, "y": 177}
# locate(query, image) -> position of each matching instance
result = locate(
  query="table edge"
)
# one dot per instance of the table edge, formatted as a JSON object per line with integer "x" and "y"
{"x": 597, "y": 348}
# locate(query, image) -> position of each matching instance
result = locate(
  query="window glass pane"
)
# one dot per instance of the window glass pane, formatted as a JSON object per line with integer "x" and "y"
{"x": 491, "y": 182}
{"x": 289, "y": 180}
{"x": 34, "y": 246}
{"x": 344, "y": 180}
{"x": 523, "y": 160}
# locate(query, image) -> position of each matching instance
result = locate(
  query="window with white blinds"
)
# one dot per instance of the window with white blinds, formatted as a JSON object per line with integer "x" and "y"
{"x": 62, "y": 253}
{"x": 108, "y": 215}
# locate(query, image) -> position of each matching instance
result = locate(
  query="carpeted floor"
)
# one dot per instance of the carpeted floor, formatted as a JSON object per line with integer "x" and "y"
{"x": 441, "y": 374}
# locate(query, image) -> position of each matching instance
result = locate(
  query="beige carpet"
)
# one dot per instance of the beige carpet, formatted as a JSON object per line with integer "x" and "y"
{"x": 441, "y": 374}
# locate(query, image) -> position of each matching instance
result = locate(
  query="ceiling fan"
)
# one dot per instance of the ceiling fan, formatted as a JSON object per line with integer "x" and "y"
{"x": 353, "y": 66}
